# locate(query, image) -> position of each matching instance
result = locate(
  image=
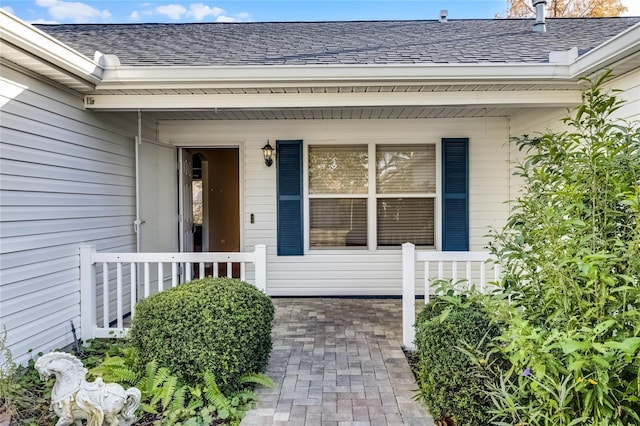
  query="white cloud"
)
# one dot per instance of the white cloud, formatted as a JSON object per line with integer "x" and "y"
{"x": 173, "y": 11}
{"x": 243, "y": 16}
{"x": 199, "y": 11}
{"x": 8, "y": 9}
{"x": 43, "y": 21}
{"x": 238, "y": 17}
{"x": 135, "y": 16}
{"x": 633, "y": 7}
{"x": 73, "y": 11}
{"x": 225, "y": 18}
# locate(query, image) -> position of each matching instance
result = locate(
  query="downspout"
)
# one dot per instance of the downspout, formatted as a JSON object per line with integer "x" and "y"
{"x": 137, "y": 222}
{"x": 539, "y": 26}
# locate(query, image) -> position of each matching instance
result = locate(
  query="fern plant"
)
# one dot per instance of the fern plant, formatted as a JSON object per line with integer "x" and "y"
{"x": 116, "y": 369}
{"x": 176, "y": 404}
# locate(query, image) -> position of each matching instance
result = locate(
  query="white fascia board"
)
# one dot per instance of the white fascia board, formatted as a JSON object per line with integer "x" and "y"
{"x": 41, "y": 45}
{"x": 174, "y": 77}
{"x": 624, "y": 44}
{"x": 540, "y": 98}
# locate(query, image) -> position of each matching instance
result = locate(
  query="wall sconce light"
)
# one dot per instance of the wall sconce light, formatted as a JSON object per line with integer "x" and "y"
{"x": 267, "y": 151}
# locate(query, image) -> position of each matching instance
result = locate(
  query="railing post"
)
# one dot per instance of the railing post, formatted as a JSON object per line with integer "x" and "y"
{"x": 261, "y": 267}
{"x": 87, "y": 293}
{"x": 408, "y": 295}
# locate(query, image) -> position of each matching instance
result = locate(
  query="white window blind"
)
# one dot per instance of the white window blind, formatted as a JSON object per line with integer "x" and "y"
{"x": 338, "y": 222}
{"x": 402, "y": 220}
{"x": 338, "y": 186}
{"x": 410, "y": 172}
{"x": 403, "y": 169}
{"x": 338, "y": 169}
{"x": 404, "y": 192}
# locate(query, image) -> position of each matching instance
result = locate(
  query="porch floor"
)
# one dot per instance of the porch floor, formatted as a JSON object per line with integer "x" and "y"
{"x": 338, "y": 362}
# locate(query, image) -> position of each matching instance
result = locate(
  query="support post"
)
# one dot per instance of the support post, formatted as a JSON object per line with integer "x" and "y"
{"x": 408, "y": 295}
{"x": 261, "y": 267}
{"x": 87, "y": 293}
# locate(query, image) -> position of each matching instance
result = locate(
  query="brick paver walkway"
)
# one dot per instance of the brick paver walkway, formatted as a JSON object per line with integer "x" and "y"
{"x": 338, "y": 362}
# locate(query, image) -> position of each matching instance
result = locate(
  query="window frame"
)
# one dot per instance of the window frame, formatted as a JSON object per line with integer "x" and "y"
{"x": 372, "y": 196}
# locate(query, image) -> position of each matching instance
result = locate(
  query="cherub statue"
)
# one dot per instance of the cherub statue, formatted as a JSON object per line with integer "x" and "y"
{"x": 74, "y": 399}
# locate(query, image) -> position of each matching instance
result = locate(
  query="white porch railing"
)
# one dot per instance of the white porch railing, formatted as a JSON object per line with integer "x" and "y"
{"x": 471, "y": 267}
{"x": 119, "y": 280}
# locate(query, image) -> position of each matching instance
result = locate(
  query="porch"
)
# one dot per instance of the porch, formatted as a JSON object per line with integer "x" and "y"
{"x": 334, "y": 359}
{"x": 112, "y": 283}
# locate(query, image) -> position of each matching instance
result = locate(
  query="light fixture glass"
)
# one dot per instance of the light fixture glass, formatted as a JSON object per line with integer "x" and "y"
{"x": 267, "y": 151}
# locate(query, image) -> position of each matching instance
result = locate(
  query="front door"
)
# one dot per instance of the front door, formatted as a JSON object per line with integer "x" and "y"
{"x": 186, "y": 201}
{"x": 220, "y": 206}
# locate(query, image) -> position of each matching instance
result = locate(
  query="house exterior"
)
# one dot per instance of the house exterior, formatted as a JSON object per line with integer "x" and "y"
{"x": 384, "y": 132}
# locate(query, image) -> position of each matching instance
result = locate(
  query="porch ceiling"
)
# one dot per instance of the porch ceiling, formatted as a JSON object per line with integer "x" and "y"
{"x": 407, "y": 112}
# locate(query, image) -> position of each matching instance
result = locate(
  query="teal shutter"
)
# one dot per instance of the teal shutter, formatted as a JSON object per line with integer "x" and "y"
{"x": 289, "y": 183}
{"x": 455, "y": 194}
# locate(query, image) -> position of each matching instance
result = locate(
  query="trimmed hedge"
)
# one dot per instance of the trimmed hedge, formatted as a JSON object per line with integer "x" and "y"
{"x": 448, "y": 384}
{"x": 222, "y": 325}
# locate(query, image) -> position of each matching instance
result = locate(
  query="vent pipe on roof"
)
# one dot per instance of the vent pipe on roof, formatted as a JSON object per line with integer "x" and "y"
{"x": 443, "y": 15}
{"x": 539, "y": 26}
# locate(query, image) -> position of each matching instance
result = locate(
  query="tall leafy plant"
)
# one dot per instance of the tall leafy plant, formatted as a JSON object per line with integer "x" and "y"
{"x": 571, "y": 256}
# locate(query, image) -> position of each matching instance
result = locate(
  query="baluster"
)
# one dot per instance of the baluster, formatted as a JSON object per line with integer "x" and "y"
{"x": 229, "y": 270}
{"x": 105, "y": 295}
{"x": 119, "y": 314}
{"x": 187, "y": 268}
{"x": 174, "y": 274}
{"x": 147, "y": 280}
{"x": 134, "y": 287}
{"x": 160, "y": 276}
{"x": 426, "y": 282}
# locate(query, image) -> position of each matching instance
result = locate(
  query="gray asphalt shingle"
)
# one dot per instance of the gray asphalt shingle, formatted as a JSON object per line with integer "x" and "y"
{"x": 366, "y": 42}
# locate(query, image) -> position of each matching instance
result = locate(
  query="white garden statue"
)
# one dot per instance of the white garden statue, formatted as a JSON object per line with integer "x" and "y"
{"x": 74, "y": 399}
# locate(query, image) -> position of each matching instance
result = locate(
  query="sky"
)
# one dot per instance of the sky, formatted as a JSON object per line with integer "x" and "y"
{"x": 129, "y": 11}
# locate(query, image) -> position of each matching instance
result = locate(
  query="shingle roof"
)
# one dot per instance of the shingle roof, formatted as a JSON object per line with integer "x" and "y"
{"x": 305, "y": 43}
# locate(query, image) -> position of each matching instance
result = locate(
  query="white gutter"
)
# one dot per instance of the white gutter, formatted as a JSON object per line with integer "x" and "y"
{"x": 623, "y": 45}
{"x": 41, "y": 45}
{"x": 175, "y": 77}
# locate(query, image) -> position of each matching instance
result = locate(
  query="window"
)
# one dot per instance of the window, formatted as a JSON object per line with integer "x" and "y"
{"x": 338, "y": 191}
{"x": 405, "y": 192}
{"x": 402, "y": 191}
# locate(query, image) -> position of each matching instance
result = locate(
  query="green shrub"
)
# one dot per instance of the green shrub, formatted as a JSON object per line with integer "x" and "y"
{"x": 221, "y": 325}
{"x": 448, "y": 386}
{"x": 571, "y": 255}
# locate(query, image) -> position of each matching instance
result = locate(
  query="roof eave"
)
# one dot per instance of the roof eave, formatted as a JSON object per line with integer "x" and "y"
{"x": 18, "y": 34}
{"x": 180, "y": 77}
{"x": 607, "y": 54}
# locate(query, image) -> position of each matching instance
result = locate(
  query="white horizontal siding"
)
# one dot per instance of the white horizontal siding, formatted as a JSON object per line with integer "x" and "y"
{"x": 349, "y": 272}
{"x": 67, "y": 178}
{"x": 629, "y": 85}
{"x": 540, "y": 120}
